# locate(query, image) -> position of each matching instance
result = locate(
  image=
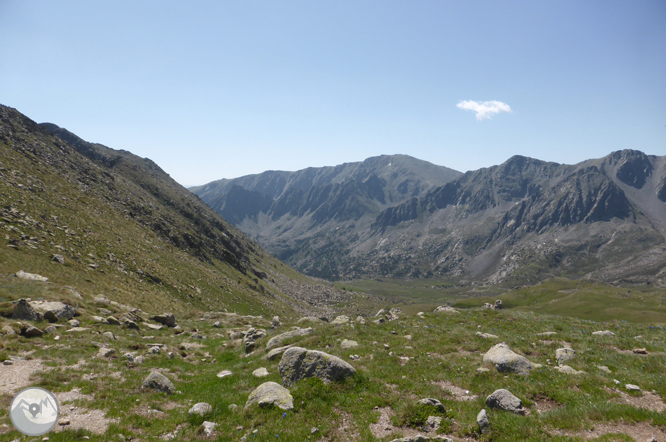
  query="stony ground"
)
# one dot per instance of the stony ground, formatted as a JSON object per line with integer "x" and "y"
{"x": 97, "y": 370}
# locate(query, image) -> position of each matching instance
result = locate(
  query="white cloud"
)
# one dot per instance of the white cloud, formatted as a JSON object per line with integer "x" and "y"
{"x": 484, "y": 110}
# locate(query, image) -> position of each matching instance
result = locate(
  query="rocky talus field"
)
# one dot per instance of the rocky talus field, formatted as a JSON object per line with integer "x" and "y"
{"x": 489, "y": 374}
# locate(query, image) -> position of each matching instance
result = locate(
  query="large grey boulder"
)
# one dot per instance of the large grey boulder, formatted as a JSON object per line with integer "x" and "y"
{"x": 157, "y": 381}
{"x": 276, "y": 341}
{"x": 298, "y": 363}
{"x": 25, "y": 312}
{"x": 271, "y": 393}
{"x": 505, "y": 400}
{"x": 53, "y": 311}
{"x": 167, "y": 319}
{"x": 507, "y": 361}
{"x": 251, "y": 337}
{"x": 563, "y": 355}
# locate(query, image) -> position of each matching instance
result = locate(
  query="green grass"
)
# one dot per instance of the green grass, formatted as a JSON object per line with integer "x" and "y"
{"x": 444, "y": 348}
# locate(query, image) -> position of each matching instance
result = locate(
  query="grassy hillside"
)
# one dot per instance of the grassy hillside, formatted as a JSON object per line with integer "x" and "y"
{"x": 127, "y": 231}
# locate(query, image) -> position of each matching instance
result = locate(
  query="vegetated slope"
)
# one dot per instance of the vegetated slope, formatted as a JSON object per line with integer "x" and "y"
{"x": 313, "y": 218}
{"x": 527, "y": 220}
{"x": 125, "y": 229}
{"x": 518, "y": 223}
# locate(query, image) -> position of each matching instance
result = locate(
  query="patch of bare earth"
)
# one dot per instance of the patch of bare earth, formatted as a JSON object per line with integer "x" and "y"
{"x": 384, "y": 427}
{"x": 74, "y": 418}
{"x": 543, "y": 404}
{"x": 457, "y": 393}
{"x": 17, "y": 376}
{"x": 639, "y": 431}
{"x": 347, "y": 430}
{"x": 647, "y": 400}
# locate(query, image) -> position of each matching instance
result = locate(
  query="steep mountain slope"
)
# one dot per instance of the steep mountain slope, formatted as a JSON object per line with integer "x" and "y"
{"x": 311, "y": 218}
{"x": 519, "y": 222}
{"x": 125, "y": 229}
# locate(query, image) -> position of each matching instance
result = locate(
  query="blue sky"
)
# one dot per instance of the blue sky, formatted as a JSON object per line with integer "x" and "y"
{"x": 219, "y": 89}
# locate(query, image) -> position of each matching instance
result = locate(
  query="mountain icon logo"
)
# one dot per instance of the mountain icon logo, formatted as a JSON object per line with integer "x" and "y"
{"x": 34, "y": 411}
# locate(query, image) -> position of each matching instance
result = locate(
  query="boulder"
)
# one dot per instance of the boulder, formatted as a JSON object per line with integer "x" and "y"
{"x": 505, "y": 400}
{"x": 445, "y": 309}
{"x": 563, "y": 355}
{"x": 507, "y": 361}
{"x": 157, "y": 381}
{"x": 251, "y": 337}
{"x": 483, "y": 421}
{"x": 277, "y": 341}
{"x": 348, "y": 343}
{"x": 167, "y": 319}
{"x": 25, "y": 312}
{"x": 53, "y": 311}
{"x": 271, "y": 393}
{"x": 202, "y": 409}
{"x": 568, "y": 370}
{"x": 30, "y": 276}
{"x": 339, "y": 320}
{"x": 298, "y": 363}
{"x": 273, "y": 354}
{"x": 432, "y": 403}
{"x": 31, "y": 331}
{"x": 260, "y": 372}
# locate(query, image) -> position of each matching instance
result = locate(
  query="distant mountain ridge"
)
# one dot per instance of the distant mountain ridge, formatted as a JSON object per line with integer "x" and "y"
{"x": 519, "y": 222}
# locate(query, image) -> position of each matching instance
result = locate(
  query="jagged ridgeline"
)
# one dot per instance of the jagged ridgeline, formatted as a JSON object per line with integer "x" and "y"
{"x": 517, "y": 223}
{"x": 109, "y": 222}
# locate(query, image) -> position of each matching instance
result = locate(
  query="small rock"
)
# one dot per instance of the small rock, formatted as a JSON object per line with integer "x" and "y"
{"x": 154, "y": 350}
{"x": 8, "y": 330}
{"x": 109, "y": 335}
{"x": 157, "y": 381}
{"x": 167, "y": 319}
{"x": 339, "y": 320}
{"x": 277, "y": 352}
{"x": 217, "y": 324}
{"x": 276, "y": 341}
{"x": 314, "y": 430}
{"x": 505, "y": 400}
{"x": 298, "y": 363}
{"x": 224, "y": 373}
{"x": 59, "y": 259}
{"x": 640, "y": 351}
{"x": 50, "y": 329}
{"x": 445, "y": 309}
{"x": 483, "y": 421}
{"x": 106, "y": 352}
{"x": 347, "y": 343}
{"x": 64, "y": 421}
{"x": 604, "y": 368}
{"x": 74, "y": 322}
{"x": 360, "y": 320}
{"x": 568, "y": 370}
{"x": 546, "y": 334}
{"x": 603, "y": 333}
{"x": 111, "y": 320}
{"x": 208, "y": 427}
{"x": 564, "y": 354}
{"x": 632, "y": 387}
{"x": 233, "y": 407}
{"x": 275, "y": 323}
{"x": 271, "y": 393}
{"x": 260, "y": 372}
{"x": 130, "y": 324}
{"x": 505, "y": 360}
{"x": 432, "y": 424}
{"x": 486, "y": 335}
{"x": 31, "y": 332}
{"x": 433, "y": 403}
{"x": 202, "y": 409}
{"x": 30, "y": 276}
{"x": 24, "y": 311}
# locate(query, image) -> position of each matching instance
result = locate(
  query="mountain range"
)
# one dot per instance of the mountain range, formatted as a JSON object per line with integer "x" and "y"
{"x": 520, "y": 222}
